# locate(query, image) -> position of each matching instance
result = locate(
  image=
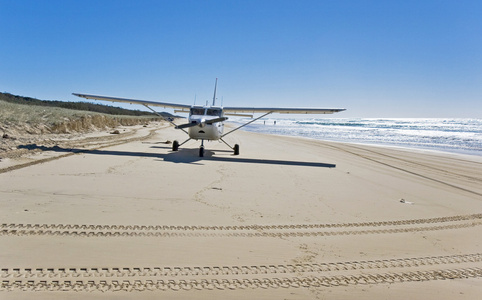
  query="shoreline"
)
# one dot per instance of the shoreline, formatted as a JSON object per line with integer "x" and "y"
{"x": 470, "y": 156}
{"x": 258, "y": 127}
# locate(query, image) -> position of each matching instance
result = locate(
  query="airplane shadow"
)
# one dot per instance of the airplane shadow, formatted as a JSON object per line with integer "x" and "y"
{"x": 186, "y": 156}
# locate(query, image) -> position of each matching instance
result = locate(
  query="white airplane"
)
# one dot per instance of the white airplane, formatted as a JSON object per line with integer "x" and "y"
{"x": 207, "y": 122}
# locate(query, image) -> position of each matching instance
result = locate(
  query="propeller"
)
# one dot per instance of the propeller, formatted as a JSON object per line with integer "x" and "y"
{"x": 220, "y": 119}
{"x": 193, "y": 123}
{"x": 201, "y": 123}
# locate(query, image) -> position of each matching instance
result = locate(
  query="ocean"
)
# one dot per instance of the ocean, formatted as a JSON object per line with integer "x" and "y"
{"x": 449, "y": 135}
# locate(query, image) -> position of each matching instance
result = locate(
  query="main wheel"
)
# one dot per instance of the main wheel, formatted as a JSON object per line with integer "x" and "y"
{"x": 236, "y": 149}
{"x": 175, "y": 146}
{"x": 201, "y": 152}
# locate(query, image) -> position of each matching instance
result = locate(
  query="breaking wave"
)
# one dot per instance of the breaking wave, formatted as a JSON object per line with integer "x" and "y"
{"x": 450, "y": 135}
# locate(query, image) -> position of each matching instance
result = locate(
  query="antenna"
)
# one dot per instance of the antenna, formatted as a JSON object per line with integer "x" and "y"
{"x": 214, "y": 97}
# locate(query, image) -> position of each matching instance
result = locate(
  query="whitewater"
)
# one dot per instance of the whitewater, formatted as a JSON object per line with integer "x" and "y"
{"x": 448, "y": 135}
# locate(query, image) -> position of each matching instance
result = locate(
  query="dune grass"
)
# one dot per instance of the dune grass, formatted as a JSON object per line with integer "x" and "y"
{"x": 38, "y": 119}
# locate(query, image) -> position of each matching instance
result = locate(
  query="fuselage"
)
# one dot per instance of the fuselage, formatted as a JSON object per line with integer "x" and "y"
{"x": 205, "y": 131}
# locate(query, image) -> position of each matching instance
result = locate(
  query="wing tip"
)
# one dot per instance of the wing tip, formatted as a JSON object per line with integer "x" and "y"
{"x": 78, "y": 95}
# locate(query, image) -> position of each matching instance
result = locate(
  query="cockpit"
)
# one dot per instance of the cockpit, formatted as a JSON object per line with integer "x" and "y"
{"x": 198, "y": 111}
{"x": 214, "y": 112}
{"x": 202, "y": 111}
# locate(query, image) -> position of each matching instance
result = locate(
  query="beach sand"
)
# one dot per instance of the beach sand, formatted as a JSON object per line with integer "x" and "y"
{"x": 289, "y": 218}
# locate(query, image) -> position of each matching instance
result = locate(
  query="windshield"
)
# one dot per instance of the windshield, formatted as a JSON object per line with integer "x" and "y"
{"x": 214, "y": 112}
{"x": 197, "y": 111}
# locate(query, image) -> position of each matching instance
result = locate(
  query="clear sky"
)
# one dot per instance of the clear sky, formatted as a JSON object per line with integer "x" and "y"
{"x": 376, "y": 58}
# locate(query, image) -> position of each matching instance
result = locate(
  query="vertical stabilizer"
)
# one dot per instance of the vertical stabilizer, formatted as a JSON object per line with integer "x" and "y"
{"x": 215, "y": 87}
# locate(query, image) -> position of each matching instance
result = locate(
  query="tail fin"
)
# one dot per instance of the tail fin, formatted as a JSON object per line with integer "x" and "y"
{"x": 215, "y": 87}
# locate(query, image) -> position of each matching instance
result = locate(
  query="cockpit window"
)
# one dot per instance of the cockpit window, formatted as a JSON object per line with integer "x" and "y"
{"x": 197, "y": 111}
{"x": 200, "y": 111}
{"x": 214, "y": 112}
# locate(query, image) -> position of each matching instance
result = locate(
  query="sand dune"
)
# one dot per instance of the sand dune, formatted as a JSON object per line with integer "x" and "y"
{"x": 288, "y": 218}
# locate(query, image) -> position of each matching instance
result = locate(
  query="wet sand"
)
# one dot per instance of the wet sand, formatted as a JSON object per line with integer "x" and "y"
{"x": 288, "y": 218}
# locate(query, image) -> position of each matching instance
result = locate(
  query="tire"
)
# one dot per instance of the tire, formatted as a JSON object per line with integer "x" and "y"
{"x": 236, "y": 149}
{"x": 175, "y": 146}
{"x": 201, "y": 152}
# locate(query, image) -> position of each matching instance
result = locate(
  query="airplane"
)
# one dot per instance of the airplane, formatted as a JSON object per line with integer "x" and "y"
{"x": 206, "y": 123}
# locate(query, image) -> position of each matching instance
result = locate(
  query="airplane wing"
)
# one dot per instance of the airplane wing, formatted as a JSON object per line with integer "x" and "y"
{"x": 250, "y": 110}
{"x": 133, "y": 101}
{"x": 294, "y": 110}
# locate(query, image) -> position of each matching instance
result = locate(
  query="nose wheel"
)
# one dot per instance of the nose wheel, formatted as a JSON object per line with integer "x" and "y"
{"x": 201, "y": 149}
{"x": 175, "y": 146}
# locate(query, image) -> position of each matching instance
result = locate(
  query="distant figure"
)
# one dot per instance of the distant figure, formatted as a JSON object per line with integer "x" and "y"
{"x": 264, "y": 122}
{"x": 274, "y": 122}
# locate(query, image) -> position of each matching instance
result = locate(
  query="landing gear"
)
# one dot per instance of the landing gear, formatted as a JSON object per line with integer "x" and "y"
{"x": 235, "y": 148}
{"x": 175, "y": 146}
{"x": 201, "y": 150}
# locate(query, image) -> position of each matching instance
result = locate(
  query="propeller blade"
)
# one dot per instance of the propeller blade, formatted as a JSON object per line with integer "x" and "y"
{"x": 187, "y": 125}
{"x": 221, "y": 119}
{"x": 196, "y": 123}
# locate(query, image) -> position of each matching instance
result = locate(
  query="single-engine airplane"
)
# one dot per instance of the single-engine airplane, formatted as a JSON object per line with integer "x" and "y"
{"x": 207, "y": 122}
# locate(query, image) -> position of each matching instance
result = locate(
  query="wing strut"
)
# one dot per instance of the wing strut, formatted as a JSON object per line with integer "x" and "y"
{"x": 166, "y": 119}
{"x": 246, "y": 124}
{"x": 214, "y": 97}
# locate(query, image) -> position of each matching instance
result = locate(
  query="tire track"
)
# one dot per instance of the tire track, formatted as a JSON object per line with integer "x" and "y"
{"x": 6, "y": 226}
{"x": 236, "y": 284}
{"x": 425, "y": 165}
{"x": 71, "y": 151}
{"x": 403, "y": 168}
{"x": 63, "y": 273}
{"x": 91, "y": 234}
{"x": 300, "y": 230}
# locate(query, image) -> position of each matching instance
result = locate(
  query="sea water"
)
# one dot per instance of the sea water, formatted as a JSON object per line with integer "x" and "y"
{"x": 449, "y": 135}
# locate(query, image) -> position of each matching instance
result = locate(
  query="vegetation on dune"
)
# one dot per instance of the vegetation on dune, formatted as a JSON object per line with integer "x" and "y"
{"x": 84, "y": 106}
{"x": 21, "y": 116}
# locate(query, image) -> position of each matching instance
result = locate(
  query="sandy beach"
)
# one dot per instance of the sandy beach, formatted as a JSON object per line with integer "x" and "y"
{"x": 289, "y": 218}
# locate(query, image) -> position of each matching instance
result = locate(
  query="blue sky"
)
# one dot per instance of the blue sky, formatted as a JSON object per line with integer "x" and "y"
{"x": 375, "y": 58}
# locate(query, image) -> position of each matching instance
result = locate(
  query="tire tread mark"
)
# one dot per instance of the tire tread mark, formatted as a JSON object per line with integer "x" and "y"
{"x": 420, "y": 164}
{"x": 26, "y": 273}
{"x": 93, "y": 234}
{"x": 233, "y": 284}
{"x": 6, "y": 226}
{"x": 405, "y": 170}
{"x": 108, "y": 143}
